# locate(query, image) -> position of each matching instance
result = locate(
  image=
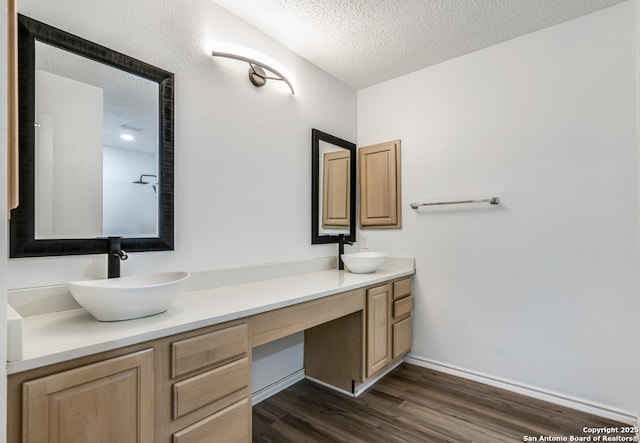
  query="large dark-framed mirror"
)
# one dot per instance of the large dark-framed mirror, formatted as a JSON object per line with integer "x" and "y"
{"x": 333, "y": 188}
{"x": 95, "y": 148}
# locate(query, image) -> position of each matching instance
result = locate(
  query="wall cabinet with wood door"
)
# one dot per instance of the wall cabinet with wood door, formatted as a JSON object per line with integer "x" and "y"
{"x": 380, "y": 193}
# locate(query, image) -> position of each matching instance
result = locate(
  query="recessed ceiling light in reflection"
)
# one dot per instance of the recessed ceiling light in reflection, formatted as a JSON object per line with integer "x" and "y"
{"x": 127, "y": 137}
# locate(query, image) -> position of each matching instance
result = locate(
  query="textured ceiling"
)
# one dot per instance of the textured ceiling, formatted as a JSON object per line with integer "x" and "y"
{"x": 364, "y": 42}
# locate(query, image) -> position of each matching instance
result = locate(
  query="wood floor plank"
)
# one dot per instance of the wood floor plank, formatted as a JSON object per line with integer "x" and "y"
{"x": 413, "y": 404}
{"x": 470, "y": 410}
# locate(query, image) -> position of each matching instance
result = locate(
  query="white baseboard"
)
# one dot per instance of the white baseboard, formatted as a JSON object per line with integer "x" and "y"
{"x": 276, "y": 387}
{"x": 529, "y": 391}
{"x": 508, "y": 385}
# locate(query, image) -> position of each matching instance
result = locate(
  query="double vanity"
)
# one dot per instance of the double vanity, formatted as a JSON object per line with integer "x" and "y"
{"x": 185, "y": 375}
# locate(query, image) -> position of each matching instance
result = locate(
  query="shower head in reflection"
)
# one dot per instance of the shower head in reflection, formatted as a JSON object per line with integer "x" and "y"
{"x": 142, "y": 181}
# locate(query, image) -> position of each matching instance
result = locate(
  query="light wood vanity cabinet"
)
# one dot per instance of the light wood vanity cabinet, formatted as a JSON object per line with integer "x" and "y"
{"x": 189, "y": 387}
{"x": 389, "y": 324}
{"x": 232, "y": 425}
{"x": 378, "y": 331}
{"x": 401, "y": 321}
{"x": 195, "y": 386}
{"x": 213, "y": 401}
{"x": 349, "y": 350}
{"x": 113, "y": 397}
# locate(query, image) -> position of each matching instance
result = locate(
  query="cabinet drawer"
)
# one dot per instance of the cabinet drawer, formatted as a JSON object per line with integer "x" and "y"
{"x": 212, "y": 386}
{"x": 402, "y": 307}
{"x": 402, "y": 332}
{"x": 231, "y": 425}
{"x": 208, "y": 350}
{"x": 402, "y": 288}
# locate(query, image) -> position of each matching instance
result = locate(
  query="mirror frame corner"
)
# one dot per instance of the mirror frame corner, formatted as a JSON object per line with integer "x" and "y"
{"x": 22, "y": 224}
{"x": 316, "y": 137}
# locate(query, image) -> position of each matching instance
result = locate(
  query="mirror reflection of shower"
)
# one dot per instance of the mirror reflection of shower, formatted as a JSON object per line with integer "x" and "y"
{"x": 142, "y": 181}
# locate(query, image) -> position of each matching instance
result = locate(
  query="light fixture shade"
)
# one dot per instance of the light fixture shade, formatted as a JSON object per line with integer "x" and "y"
{"x": 257, "y": 68}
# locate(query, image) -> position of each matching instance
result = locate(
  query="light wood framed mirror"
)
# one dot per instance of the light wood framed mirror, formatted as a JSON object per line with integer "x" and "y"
{"x": 95, "y": 148}
{"x": 333, "y": 188}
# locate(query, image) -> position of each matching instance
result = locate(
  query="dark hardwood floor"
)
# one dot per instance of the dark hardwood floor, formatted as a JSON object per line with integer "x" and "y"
{"x": 413, "y": 404}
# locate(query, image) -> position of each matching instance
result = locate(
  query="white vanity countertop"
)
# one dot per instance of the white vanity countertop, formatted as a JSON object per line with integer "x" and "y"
{"x": 55, "y": 337}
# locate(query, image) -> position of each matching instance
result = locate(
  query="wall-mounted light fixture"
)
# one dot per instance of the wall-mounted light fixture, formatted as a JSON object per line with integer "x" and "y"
{"x": 259, "y": 71}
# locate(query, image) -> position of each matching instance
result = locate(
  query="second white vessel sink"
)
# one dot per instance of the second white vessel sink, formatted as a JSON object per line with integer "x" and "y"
{"x": 126, "y": 298}
{"x": 363, "y": 262}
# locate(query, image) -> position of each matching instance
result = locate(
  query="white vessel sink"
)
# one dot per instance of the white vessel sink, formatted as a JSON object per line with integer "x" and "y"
{"x": 363, "y": 262}
{"x": 126, "y": 298}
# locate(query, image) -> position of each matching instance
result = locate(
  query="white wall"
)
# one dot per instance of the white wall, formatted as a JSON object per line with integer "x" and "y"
{"x": 242, "y": 154}
{"x": 542, "y": 290}
{"x": 130, "y": 209}
{"x": 281, "y": 357}
{"x": 68, "y": 161}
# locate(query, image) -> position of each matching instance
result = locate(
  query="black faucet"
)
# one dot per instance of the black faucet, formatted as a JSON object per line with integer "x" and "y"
{"x": 114, "y": 256}
{"x": 341, "y": 242}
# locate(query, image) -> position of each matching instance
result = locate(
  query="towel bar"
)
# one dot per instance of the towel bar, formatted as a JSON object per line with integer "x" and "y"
{"x": 492, "y": 200}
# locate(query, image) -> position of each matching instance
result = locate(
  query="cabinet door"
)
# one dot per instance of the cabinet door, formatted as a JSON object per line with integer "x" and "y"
{"x": 336, "y": 191}
{"x": 380, "y": 185}
{"x": 378, "y": 328}
{"x": 109, "y": 401}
